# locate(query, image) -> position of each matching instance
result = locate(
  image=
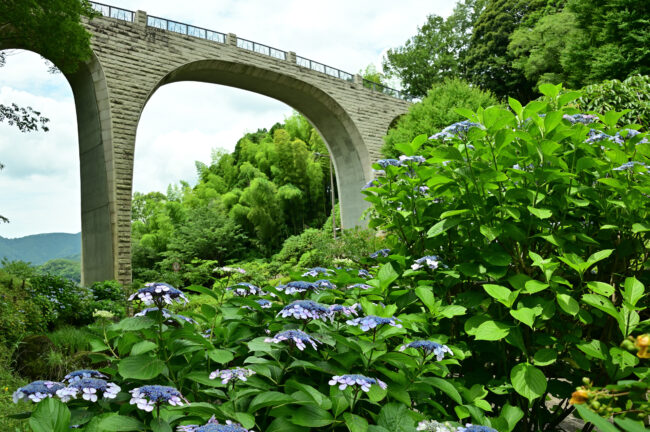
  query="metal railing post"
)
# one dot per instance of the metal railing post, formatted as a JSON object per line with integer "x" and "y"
{"x": 141, "y": 18}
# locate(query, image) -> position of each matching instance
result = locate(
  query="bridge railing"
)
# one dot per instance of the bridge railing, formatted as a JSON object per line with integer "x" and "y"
{"x": 261, "y": 49}
{"x": 202, "y": 33}
{"x": 320, "y": 67}
{"x": 186, "y": 29}
{"x": 113, "y": 12}
{"x": 386, "y": 90}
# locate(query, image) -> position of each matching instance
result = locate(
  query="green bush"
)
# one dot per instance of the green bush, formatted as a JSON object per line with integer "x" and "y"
{"x": 436, "y": 111}
{"x": 62, "y": 300}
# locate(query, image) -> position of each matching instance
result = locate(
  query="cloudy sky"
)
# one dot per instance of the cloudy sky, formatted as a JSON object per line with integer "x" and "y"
{"x": 183, "y": 122}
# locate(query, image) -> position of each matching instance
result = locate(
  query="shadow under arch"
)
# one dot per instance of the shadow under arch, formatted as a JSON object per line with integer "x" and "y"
{"x": 90, "y": 92}
{"x": 341, "y": 136}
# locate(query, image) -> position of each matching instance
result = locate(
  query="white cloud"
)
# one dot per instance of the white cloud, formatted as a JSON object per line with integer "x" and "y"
{"x": 39, "y": 188}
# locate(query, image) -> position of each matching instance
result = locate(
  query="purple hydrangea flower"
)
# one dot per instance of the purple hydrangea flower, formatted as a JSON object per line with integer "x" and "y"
{"x": 83, "y": 373}
{"x": 159, "y": 294}
{"x": 306, "y": 309}
{"x": 148, "y": 396}
{"x": 345, "y": 310}
{"x": 89, "y": 389}
{"x": 430, "y": 261}
{"x": 213, "y": 426}
{"x": 456, "y": 130}
{"x": 236, "y": 374}
{"x": 597, "y": 136}
{"x": 381, "y": 252}
{"x": 264, "y": 304}
{"x": 37, "y": 391}
{"x": 580, "y": 118}
{"x": 412, "y": 159}
{"x": 472, "y": 428}
{"x": 371, "y": 321}
{"x": 363, "y": 273}
{"x": 166, "y": 314}
{"x": 297, "y": 337}
{"x": 360, "y": 286}
{"x": 428, "y": 348}
{"x": 630, "y": 165}
{"x": 324, "y": 283}
{"x": 298, "y": 287}
{"x": 244, "y": 289}
{"x": 631, "y": 133}
{"x": 314, "y": 272}
{"x": 389, "y": 162}
{"x": 345, "y": 381}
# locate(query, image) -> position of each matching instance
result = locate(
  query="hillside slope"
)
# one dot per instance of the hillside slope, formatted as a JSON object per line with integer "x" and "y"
{"x": 40, "y": 248}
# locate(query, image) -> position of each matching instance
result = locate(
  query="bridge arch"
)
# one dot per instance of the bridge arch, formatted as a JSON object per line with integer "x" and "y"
{"x": 339, "y": 132}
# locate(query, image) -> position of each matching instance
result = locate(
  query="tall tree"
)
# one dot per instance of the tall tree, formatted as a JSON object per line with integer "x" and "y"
{"x": 437, "y": 51}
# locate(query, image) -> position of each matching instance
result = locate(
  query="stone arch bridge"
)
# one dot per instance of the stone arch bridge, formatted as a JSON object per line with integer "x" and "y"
{"x": 135, "y": 54}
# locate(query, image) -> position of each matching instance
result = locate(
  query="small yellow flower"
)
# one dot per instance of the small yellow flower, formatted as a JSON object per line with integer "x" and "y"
{"x": 579, "y": 396}
{"x": 643, "y": 343}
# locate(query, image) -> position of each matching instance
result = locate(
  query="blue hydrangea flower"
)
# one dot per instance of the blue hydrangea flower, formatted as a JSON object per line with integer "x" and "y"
{"x": 431, "y": 261}
{"x": 37, "y": 391}
{"x": 313, "y": 272}
{"x": 363, "y": 273}
{"x": 345, "y": 381}
{"x": 360, "y": 286}
{"x": 83, "y": 373}
{"x": 412, "y": 159}
{"x": 371, "y": 321}
{"x": 297, "y": 337}
{"x": 598, "y": 136}
{"x": 630, "y": 166}
{"x": 389, "y": 162}
{"x": 236, "y": 374}
{"x": 631, "y": 133}
{"x": 472, "y": 428}
{"x": 89, "y": 389}
{"x": 580, "y": 118}
{"x": 428, "y": 348}
{"x": 306, "y": 309}
{"x": 213, "y": 426}
{"x": 148, "y": 396}
{"x": 264, "y": 304}
{"x": 159, "y": 294}
{"x": 324, "y": 283}
{"x": 244, "y": 289}
{"x": 166, "y": 314}
{"x": 298, "y": 287}
{"x": 371, "y": 183}
{"x": 456, "y": 130}
{"x": 381, "y": 252}
{"x": 345, "y": 310}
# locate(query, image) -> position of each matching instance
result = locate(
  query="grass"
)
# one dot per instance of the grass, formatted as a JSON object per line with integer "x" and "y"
{"x": 8, "y": 384}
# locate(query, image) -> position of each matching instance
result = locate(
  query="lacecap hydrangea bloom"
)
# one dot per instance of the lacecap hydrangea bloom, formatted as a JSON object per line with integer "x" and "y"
{"x": 314, "y": 272}
{"x": 371, "y": 183}
{"x": 597, "y": 136}
{"x": 381, "y": 252}
{"x": 428, "y": 348}
{"x": 456, "y": 130}
{"x": 324, "y": 283}
{"x": 360, "y": 286}
{"x": 389, "y": 162}
{"x": 83, "y": 373}
{"x": 473, "y": 428}
{"x": 363, "y": 273}
{"x": 235, "y": 374}
{"x": 37, "y": 391}
{"x": 244, "y": 289}
{"x": 298, "y": 287}
{"x": 345, "y": 310}
{"x": 412, "y": 159}
{"x": 371, "y": 321}
{"x": 630, "y": 166}
{"x": 213, "y": 426}
{"x": 89, "y": 389}
{"x": 297, "y": 337}
{"x": 159, "y": 294}
{"x": 229, "y": 270}
{"x": 431, "y": 261}
{"x": 166, "y": 314}
{"x": 147, "y": 397}
{"x": 306, "y": 309}
{"x": 264, "y": 304}
{"x": 345, "y": 381}
{"x": 580, "y": 118}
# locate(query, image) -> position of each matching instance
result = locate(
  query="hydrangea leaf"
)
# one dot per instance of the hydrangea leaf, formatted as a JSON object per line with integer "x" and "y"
{"x": 121, "y": 423}
{"x": 312, "y": 416}
{"x": 591, "y": 417}
{"x": 355, "y": 423}
{"x": 492, "y": 330}
{"x": 395, "y": 418}
{"x": 50, "y": 415}
{"x": 160, "y": 425}
{"x": 528, "y": 381}
{"x": 269, "y": 398}
{"x": 141, "y": 367}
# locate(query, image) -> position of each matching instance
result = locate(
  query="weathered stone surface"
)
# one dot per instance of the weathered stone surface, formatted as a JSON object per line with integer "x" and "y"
{"x": 131, "y": 61}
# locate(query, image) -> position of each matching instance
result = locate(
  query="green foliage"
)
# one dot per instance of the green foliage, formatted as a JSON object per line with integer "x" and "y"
{"x": 539, "y": 235}
{"x": 436, "y": 111}
{"x": 65, "y": 268}
{"x": 633, "y": 94}
{"x": 437, "y": 52}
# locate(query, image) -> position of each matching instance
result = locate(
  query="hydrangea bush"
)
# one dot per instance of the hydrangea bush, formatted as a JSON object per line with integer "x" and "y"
{"x": 503, "y": 286}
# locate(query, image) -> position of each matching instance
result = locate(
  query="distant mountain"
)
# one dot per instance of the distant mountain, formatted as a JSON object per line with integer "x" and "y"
{"x": 40, "y": 248}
